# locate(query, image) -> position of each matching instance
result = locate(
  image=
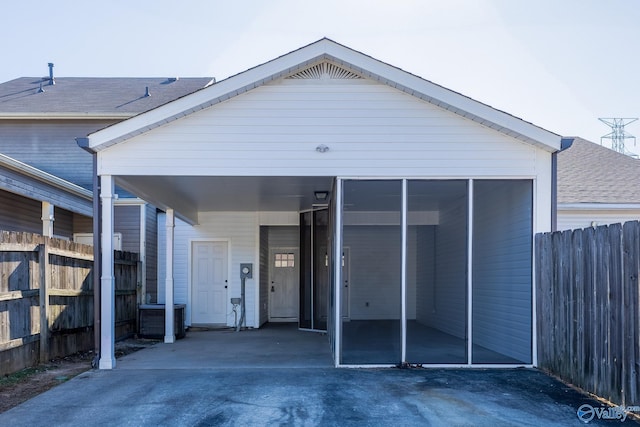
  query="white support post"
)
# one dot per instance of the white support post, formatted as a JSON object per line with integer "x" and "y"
{"x": 47, "y": 219}
{"x": 107, "y": 282}
{"x": 470, "y": 216}
{"x": 169, "y": 335}
{"x": 337, "y": 272}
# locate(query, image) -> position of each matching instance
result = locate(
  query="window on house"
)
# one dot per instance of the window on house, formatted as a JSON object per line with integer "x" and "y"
{"x": 284, "y": 260}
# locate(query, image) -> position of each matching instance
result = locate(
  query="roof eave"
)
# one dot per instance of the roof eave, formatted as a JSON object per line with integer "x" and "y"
{"x": 45, "y": 177}
{"x": 66, "y": 116}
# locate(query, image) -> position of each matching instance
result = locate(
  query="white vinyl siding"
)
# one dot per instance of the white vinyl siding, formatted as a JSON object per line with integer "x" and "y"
{"x": 370, "y": 129}
{"x": 502, "y": 264}
{"x": 579, "y": 218}
{"x": 374, "y": 286}
{"x": 450, "y": 277}
{"x": 240, "y": 230}
{"x": 424, "y": 254}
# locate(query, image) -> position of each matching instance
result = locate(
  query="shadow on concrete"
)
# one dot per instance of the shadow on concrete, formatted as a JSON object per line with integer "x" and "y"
{"x": 274, "y": 345}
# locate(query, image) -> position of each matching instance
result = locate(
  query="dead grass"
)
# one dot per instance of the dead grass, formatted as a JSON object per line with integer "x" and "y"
{"x": 30, "y": 382}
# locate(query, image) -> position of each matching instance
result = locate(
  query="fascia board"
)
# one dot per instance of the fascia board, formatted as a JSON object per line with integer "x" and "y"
{"x": 598, "y": 206}
{"x": 65, "y": 116}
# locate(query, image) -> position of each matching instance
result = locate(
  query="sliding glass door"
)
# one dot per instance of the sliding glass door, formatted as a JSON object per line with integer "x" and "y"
{"x": 370, "y": 288}
{"x": 436, "y": 297}
{"x": 314, "y": 272}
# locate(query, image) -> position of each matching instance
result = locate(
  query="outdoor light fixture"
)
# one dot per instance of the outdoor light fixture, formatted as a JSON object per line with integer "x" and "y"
{"x": 321, "y": 196}
{"x": 322, "y": 148}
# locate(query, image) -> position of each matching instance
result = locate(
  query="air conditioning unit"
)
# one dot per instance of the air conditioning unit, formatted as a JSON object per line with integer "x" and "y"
{"x": 87, "y": 239}
{"x": 152, "y": 320}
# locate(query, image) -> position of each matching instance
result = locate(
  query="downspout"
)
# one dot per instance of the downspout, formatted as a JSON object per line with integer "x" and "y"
{"x": 97, "y": 258}
{"x": 554, "y": 191}
{"x": 564, "y": 144}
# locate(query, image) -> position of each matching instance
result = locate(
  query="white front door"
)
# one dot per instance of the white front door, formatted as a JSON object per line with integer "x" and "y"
{"x": 283, "y": 284}
{"x": 209, "y": 283}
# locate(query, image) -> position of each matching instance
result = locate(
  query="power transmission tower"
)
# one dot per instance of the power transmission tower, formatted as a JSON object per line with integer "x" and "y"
{"x": 618, "y": 135}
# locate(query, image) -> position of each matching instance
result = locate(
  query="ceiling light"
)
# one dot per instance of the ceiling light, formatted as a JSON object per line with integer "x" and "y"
{"x": 321, "y": 196}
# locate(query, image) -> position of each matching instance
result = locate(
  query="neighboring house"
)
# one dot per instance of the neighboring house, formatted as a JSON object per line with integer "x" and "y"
{"x": 32, "y": 200}
{"x": 39, "y": 121}
{"x": 394, "y": 214}
{"x": 596, "y": 186}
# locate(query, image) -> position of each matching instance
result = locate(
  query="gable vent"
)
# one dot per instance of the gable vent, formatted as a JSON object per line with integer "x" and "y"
{"x": 323, "y": 71}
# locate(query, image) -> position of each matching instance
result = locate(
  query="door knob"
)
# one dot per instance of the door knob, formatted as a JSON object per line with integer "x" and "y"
{"x": 273, "y": 289}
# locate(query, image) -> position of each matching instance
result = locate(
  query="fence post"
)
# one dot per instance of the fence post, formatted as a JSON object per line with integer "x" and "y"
{"x": 44, "y": 299}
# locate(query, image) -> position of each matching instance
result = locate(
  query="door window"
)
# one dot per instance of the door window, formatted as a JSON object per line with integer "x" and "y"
{"x": 284, "y": 260}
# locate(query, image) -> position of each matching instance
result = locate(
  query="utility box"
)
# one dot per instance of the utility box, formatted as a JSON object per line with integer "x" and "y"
{"x": 152, "y": 320}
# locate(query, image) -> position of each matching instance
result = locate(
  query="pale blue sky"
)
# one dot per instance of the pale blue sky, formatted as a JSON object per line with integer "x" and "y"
{"x": 560, "y": 64}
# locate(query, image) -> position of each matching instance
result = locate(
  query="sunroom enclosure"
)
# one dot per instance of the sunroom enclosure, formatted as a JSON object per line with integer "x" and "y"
{"x": 439, "y": 272}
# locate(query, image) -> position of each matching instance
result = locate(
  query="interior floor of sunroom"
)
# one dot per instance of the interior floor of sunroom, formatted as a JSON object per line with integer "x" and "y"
{"x": 379, "y": 342}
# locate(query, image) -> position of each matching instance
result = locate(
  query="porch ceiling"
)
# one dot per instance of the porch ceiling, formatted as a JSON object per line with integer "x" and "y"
{"x": 188, "y": 195}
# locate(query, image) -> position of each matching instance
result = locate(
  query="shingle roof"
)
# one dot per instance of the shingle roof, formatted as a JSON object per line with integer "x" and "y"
{"x": 92, "y": 95}
{"x": 591, "y": 173}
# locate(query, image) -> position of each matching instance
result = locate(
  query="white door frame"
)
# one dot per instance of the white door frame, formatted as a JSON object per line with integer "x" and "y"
{"x": 190, "y": 275}
{"x": 346, "y": 277}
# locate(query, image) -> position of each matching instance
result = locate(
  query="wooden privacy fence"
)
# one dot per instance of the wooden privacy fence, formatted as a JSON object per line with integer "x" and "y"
{"x": 46, "y": 284}
{"x": 587, "y": 309}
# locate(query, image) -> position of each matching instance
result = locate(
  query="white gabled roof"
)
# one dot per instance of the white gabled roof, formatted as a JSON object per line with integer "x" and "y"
{"x": 350, "y": 59}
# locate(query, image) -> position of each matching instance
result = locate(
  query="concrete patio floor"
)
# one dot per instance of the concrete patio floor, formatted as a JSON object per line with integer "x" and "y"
{"x": 275, "y": 345}
{"x": 210, "y": 379}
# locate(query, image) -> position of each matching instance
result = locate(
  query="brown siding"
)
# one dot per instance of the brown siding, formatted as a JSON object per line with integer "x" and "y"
{"x": 82, "y": 224}
{"x": 127, "y": 222}
{"x": 152, "y": 252}
{"x": 63, "y": 224}
{"x": 19, "y": 213}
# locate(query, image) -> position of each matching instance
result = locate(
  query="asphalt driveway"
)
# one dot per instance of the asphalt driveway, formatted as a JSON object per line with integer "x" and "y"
{"x": 244, "y": 379}
{"x": 306, "y": 397}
